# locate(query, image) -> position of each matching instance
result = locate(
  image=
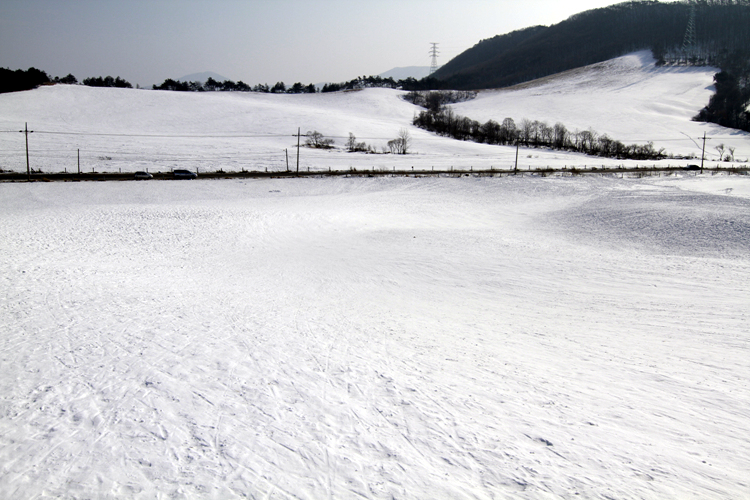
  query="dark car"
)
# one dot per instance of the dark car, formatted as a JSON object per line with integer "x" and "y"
{"x": 185, "y": 174}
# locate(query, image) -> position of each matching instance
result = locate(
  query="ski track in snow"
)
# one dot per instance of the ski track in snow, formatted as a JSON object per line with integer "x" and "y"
{"x": 375, "y": 338}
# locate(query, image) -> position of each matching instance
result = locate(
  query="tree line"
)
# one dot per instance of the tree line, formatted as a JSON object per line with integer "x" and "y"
{"x": 18, "y": 80}
{"x": 358, "y": 83}
{"x": 729, "y": 105}
{"x": 107, "y": 81}
{"x": 535, "y": 134}
{"x": 12, "y": 81}
{"x": 212, "y": 85}
{"x": 15, "y": 81}
{"x": 366, "y": 82}
{"x": 400, "y": 145}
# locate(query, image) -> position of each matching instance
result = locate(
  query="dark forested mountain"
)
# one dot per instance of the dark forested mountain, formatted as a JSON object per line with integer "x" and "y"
{"x": 720, "y": 36}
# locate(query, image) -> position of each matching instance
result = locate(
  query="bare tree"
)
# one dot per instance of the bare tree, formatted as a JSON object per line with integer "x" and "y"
{"x": 508, "y": 131}
{"x": 547, "y": 133}
{"x": 721, "y": 148}
{"x": 316, "y": 140}
{"x": 353, "y": 146}
{"x": 588, "y": 139}
{"x": 526, "y": 131}
{"x": 536, "y": 127}
{"x": 402, "y": 142}
{"x": 561, "y": 135}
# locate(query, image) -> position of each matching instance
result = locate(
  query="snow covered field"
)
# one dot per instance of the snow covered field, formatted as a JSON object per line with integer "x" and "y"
{"x": 128, "y": 129}
{"x": 376, "y": 338}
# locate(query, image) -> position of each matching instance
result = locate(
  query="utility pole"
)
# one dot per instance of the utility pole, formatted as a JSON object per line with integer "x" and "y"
{"x": 286, "y": 152}
{"x": 703, "y": 154}
{"x": 434, "y": 53}
{"x": 27, "y": 132}
{"x": 517, "y": 154}
{"x": 79, "y": 161}
{"x": 297, "y": 150}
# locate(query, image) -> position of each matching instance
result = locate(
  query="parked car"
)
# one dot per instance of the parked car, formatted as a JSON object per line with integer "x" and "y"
{"x": 141, "y": 176}
{"x": 185, "y": 174}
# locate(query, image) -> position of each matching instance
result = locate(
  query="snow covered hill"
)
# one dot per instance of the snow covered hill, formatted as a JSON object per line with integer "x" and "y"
{"x": 627, "y": 98}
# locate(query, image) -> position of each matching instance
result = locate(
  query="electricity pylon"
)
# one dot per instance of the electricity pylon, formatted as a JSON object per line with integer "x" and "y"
{"x": 434, "y": 53}
{"x": 689, "y": 41}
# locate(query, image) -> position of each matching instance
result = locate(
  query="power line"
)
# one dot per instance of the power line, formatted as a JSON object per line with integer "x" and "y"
{"x": 243, "y": 136}
{"x": 173, "y": 136}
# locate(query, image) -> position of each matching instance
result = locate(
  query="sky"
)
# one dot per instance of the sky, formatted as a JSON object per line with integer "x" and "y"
{"x": 256, "y": 41}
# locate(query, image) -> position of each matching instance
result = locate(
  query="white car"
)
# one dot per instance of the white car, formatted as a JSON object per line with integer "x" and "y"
{"x": 142, "y": 176}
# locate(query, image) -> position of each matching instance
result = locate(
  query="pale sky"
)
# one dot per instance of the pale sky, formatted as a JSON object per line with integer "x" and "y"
{"x": 256, "y": 41}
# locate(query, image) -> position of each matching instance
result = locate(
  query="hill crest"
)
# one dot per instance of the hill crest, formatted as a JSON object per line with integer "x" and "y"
{"x": 722, "y": 40}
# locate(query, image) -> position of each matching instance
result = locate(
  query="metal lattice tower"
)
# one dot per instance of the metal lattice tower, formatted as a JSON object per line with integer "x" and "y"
{"x": 434, "y": 53}
{"x": 689, "y": 41}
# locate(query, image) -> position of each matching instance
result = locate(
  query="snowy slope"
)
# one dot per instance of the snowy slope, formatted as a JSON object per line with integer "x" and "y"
{"x": 465, "y": 338}
{"x": 129, "y": 129}
{"x": 628, "y": 98}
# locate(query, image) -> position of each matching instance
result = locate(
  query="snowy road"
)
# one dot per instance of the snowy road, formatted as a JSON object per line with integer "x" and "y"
{"x": 376, "y": 338}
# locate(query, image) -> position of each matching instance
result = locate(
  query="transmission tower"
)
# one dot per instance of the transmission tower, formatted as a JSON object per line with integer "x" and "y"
{"x": 434, "y": 54}
{"x": 689, "y": 41}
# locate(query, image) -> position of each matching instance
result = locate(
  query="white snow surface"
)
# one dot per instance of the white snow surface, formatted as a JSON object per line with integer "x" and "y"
{"x": 464, "y": 338}
{"x": 627, "y": 98}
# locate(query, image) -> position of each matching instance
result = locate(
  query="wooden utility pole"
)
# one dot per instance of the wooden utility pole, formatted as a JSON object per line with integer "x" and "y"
{"x": 286, "y": 151}
{"x": 703, "y": 154}
{"x": 79, "y": 162}
{"x": 516, "y": 155}
{"x": 298, "y": 130}
{"x": 28, "y": 168}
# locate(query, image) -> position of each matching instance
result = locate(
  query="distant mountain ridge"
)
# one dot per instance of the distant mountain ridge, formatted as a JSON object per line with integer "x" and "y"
{"x": 722, "y": 38}
{"x": 416, "y": 72}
